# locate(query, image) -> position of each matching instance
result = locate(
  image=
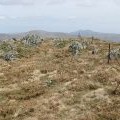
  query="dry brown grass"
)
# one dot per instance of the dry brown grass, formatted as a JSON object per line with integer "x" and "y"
{"x": 51, "y": 84}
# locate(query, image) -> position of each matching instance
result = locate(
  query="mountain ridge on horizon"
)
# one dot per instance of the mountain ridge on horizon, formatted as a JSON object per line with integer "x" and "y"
{"x": 43, "y": 33}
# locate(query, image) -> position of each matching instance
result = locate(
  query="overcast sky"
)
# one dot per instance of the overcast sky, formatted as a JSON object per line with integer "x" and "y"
{"x": 59, "y": 15}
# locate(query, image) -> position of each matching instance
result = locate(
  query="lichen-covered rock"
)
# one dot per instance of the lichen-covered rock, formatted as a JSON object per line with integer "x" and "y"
{"x": 84, "y": 44}
{"x": 31, "y": 40}
{"x": 94, "y": 51}
{"x": 115, "y": 54}
{"x": 76, "y": 47}
{"x": 10, "y": 56}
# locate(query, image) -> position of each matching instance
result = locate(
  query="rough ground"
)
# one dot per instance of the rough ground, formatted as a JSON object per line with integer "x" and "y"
{"x": 51, "y": 84}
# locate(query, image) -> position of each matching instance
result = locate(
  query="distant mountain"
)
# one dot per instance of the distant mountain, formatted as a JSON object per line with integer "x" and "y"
{"x": 4, "y": 36}
{"x": 41, "y": 33}
{"x": 50, "y": 34}
{"x": 44, "y": 34}
{"x": 104, "y": 36}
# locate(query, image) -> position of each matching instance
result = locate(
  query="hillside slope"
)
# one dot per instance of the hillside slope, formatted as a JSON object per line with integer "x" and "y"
{"x": 48, "y": 83}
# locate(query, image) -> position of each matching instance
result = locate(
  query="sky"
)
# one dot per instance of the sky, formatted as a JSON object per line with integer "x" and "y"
{"x": 59, "y": 15}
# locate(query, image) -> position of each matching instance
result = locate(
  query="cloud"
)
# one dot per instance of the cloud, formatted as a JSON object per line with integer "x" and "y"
{"x": 117, "y": 2}
{"x": 54, "y": 2}
{"x": 2, "y": 17}
{"x": 16, "y": 2}
{"x": 84, "y": 3}
{"x": 48, "y": 2}
{"x": 72, "y": 17}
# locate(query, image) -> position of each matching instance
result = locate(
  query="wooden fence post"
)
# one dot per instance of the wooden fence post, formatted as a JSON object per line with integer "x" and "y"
{"x": 109, "y": 54}
{"x": 92, "y": 39}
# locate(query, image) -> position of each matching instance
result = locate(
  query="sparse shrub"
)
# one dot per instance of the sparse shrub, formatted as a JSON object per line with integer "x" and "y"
{"x": 61, "y": 44}
{"x": 6, "y": 47}
{"x": 102, "y": 77}
{"x": 24, "y": 51}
